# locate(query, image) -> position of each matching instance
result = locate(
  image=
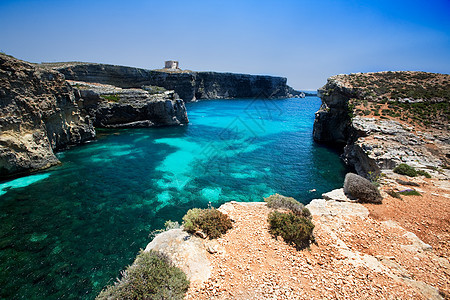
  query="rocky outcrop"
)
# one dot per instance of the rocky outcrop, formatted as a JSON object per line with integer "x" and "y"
{"x": 409, "y": 130}
{"x": 186, "y": 251}
{"x": 39, "y": 115}
{"x": 332, "y": 122}
{"x": 187, "y": 84}
{"x": 114, "y": 107}
{"x": 384, "y": 144}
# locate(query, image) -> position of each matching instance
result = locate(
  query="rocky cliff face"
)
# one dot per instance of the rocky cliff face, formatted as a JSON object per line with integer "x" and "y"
{"x": 39, "y": 114}
{"x": 387, "y": 118}
{"x": 188, "y": 85}
{"x": 113, "y": 107}
{"x": 332, "y": 123}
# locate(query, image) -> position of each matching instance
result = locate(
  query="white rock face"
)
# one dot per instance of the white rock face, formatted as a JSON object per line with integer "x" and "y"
{"x": 186, "y": 251}
{"x": 337, "y": 195}
{"x": 329, "y": 217}
{"x": 322, "y": 207}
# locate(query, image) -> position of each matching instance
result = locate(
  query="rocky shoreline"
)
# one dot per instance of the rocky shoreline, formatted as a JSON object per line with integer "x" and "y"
{"x": 40, "y": 115}
{"x": 113, "y": 107}
{"x": 49, "y": 107}
{"x": 373, "y": 141}
{"x": 43, "y": 113}
{"x": 361, "y": 250}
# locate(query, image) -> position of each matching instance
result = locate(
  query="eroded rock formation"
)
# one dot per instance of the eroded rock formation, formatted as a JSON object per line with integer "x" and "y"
{"x": 386, "y": 118}
{"x": 39, "y": 114}
{"x": 114, "y": 107}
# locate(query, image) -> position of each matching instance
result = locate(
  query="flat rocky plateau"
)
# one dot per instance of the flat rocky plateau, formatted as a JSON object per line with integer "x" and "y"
{"x": 362, "y": 251}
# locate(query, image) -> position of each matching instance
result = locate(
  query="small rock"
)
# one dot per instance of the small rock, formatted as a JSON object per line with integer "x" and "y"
{"x": 201, "y": 234}
{"x": 212, "y": 249}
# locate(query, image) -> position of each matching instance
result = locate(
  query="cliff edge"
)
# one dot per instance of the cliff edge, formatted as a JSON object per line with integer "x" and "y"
{"x": 42, "y": 112}
{"x": 189, "y": 85}
{"x": 387, "y": 118}
{"x": 39, "y": 115}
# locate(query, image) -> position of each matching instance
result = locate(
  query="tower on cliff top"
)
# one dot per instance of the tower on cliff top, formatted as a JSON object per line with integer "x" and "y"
{"x": 171, "y": 64}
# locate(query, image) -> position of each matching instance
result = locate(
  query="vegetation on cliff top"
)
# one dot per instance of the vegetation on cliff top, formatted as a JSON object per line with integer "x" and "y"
{"x": 399, "y": 85}
{"x": 362, "y": 189}
{"x": 404, "y": 169}
{"x": 414, "y": 97}
{"x": 295, "y": 226}
{"x": 151, "y": 276}
{"x": 294, "y": 229}
{"x": 277, "y": 201}
{"x": 210, "y": 221}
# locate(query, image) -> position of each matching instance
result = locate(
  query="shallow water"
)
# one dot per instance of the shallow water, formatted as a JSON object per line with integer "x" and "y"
{"x": 68, "y": 232}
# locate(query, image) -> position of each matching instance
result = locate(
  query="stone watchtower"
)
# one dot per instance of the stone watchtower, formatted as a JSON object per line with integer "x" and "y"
{"x": 171, "y": 64}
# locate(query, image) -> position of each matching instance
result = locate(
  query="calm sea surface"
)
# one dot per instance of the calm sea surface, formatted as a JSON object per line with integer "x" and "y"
{"x": 68, "y": 232}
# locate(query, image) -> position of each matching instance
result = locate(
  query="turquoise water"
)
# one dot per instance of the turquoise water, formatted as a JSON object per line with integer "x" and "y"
{"x": 68, "y": 232}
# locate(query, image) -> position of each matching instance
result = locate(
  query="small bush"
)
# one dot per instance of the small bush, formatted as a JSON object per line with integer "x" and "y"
{"x": 361, "y": 189}
{"x": 404, "y": 169}
{"x": 151, "y": 276}
{"x": 211, "y": 221}
{"x": 423, "y": 173}
{"x": 113, "y": 98}
{"x": 410, "y": 193}
{"x": 281, "y": 202}
{"x": 292, "y": 228}
{"x": 407, "y": 182}
{"x": 394, "y": 194}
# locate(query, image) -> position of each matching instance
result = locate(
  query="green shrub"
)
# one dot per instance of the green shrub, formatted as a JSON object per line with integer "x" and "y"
{"x": 404, "y": 169}
{"x": 394, "y": 194}
{"x": 350, "y": 110}
{"x": 410, "y": 193}
{"x": 151, "y": 276}
{"x": 362, "y": 189}
{"x": 407, "y": 182}
{"x": 210, "y": 221}
{"x": 292, "y": 228}
{"x": 113, "y": 98}
{"x": 423, "y": 173}
{"x": 278, "y": 201}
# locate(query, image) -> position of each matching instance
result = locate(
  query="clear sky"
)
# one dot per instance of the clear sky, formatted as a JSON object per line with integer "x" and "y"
{"x": 305, "y": 41}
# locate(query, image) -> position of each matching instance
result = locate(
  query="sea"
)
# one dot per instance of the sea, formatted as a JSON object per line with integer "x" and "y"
{"x": 67, "y": 232}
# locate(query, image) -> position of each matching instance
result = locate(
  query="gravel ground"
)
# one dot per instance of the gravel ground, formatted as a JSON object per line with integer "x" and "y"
{"x": 353, "y": 258}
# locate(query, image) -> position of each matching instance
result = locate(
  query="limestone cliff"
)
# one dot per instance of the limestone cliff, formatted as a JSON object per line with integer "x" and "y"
{"x": 387, "y": 118}
{"x": 188, "y": 85}
{"x": 114, "y": 107}
{"x": 42, "y": 113}
{"x": 39, "y": 114}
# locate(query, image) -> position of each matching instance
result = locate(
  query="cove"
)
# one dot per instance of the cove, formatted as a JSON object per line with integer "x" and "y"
{"x": 68, "y": 232}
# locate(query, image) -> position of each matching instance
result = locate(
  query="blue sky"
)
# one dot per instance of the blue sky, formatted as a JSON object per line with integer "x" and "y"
{"x": 305, "y": 41}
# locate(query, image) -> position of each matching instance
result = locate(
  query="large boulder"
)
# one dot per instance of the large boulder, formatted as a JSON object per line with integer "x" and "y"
{"x": 362, "y": 189}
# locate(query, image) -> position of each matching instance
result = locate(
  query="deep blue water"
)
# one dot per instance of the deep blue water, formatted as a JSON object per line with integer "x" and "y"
{"x": 68, "y": 232}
